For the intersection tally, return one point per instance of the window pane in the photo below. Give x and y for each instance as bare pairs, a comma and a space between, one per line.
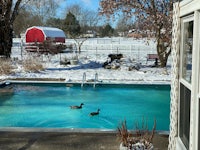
187, 50
184, 115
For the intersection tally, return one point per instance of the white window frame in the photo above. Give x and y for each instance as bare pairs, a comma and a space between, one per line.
184, 20
182, 80
188, 7
196, 81
194, 86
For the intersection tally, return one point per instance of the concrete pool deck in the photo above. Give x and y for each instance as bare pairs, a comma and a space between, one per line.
19, 140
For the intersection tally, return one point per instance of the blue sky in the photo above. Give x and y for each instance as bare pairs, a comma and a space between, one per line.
88, 4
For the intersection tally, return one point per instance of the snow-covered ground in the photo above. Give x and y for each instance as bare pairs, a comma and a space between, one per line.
90, 60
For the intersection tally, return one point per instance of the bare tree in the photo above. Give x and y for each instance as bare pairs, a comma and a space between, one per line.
79, 43
8, 14
24, 20
45, 9
154, 15
87, 18
124, 24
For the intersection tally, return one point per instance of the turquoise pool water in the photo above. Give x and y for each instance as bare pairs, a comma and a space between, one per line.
48, 106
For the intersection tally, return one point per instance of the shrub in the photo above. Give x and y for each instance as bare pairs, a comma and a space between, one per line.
6, 67
51, 47
141, 137
124, 134
32, 65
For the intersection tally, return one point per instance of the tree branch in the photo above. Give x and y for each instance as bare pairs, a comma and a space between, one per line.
15, 10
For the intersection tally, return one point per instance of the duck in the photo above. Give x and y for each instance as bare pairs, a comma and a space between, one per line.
77, 107
95, 113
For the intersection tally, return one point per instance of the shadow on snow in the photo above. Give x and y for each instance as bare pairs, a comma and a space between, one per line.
90, 65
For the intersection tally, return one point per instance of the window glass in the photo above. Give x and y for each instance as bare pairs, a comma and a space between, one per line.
187, 50
184, 126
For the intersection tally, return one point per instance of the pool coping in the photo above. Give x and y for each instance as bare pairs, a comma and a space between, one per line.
70, 130
66, 130
125, 82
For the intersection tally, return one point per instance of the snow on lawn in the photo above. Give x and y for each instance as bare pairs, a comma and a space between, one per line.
94, 54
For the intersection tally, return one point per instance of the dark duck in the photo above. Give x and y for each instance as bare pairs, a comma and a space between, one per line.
95, 113
77, 107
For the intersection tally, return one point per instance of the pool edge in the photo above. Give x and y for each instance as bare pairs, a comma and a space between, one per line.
70, 130
150, 82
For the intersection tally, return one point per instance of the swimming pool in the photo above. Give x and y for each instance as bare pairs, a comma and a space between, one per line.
48, 105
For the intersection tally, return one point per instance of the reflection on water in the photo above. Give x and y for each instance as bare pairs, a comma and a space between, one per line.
6, 93
19, 88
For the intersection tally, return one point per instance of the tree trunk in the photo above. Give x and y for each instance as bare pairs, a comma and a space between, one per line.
163, 53
163, 61
8, 14
6, 40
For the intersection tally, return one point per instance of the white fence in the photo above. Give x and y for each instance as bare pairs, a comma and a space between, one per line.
134, 48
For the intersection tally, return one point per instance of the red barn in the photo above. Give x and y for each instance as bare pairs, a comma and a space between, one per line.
40, 34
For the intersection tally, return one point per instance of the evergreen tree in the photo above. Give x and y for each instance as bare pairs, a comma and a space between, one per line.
71, 25
107, 31
55, 22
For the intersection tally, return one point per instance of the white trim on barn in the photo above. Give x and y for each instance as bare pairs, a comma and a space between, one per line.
51, 32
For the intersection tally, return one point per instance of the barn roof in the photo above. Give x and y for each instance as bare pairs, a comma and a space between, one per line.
50, 31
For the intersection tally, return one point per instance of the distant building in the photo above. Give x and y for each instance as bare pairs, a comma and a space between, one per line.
90, 34
134, 34
140, 34
44, 39
41, 34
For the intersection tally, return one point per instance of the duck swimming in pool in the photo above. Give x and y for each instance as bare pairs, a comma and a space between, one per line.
77, 107
95, 113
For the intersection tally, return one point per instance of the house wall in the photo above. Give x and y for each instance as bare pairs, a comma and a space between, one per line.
182, 10
174, 78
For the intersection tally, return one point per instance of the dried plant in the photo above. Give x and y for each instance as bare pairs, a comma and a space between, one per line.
140, 135
123, 133
144, 133
32, 65
6, 67
51, 47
